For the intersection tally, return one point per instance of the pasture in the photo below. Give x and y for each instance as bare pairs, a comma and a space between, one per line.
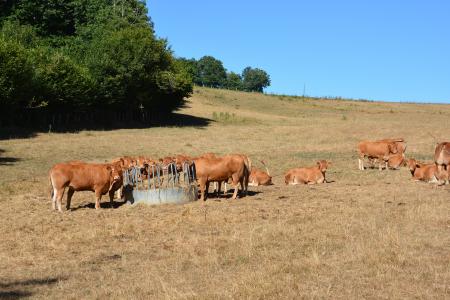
366, 234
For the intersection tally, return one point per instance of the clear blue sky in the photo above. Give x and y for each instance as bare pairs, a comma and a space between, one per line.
393, 50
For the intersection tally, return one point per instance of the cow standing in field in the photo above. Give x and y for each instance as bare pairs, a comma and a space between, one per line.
395, 161
210, 169
311, 175
374, 149
442, 158
80, 176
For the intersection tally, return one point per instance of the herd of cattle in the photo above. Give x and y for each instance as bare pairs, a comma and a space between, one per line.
235, 169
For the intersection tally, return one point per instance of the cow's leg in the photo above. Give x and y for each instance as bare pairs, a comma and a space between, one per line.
215, 184
361, 164
202, 184
54, 193
225, 188
219, 187
111, 198
98, 197
119, 193
207, 190
236, 186
59, 196
69, 197
242, 183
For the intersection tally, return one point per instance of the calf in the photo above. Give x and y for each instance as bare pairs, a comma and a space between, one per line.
426, 172
311, 175
259, 177
80, 176
209, 169
378, 150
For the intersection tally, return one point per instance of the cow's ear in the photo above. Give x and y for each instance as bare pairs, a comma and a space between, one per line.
417, 165
318, 163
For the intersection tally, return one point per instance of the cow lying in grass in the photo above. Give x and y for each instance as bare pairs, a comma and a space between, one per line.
311, 175
427, 172
259, 177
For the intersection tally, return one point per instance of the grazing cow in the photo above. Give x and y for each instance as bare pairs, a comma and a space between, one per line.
311, 175
209, 169
378, 150
181, 159
259, 177
80, 176
427, 172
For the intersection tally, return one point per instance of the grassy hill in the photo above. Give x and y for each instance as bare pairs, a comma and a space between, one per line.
366, 234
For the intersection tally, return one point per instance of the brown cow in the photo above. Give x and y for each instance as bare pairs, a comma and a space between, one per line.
80, 176
259, 177
400, 144
378, 150
218, 184
426, 172
311, 175
395, 161
209, 169
442, 154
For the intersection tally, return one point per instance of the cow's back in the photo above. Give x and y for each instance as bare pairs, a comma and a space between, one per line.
82, 176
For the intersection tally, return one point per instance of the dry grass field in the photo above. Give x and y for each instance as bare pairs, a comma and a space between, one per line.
365, 235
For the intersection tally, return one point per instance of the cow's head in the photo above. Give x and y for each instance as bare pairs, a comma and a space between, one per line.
115, 177
413, 165
392, 148
323, 165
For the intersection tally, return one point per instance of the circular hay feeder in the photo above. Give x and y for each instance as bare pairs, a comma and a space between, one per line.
159, 184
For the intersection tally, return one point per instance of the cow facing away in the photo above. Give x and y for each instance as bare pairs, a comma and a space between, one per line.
81, 176
210, 169
379, 150
311, 175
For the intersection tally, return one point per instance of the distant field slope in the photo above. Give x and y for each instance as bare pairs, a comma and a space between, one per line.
366, 234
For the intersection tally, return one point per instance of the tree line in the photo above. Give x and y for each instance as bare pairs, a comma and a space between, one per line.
209, 71
66, 61
96, 63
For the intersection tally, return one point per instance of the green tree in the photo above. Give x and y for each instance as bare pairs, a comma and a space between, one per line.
16, 76
190, 66
80, 54
234, 81
211, 72
255, 80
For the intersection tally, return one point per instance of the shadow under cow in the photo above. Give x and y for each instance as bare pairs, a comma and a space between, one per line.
19, 289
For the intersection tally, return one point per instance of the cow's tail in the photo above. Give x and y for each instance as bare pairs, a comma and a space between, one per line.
52, 189
267, 169
248, 166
